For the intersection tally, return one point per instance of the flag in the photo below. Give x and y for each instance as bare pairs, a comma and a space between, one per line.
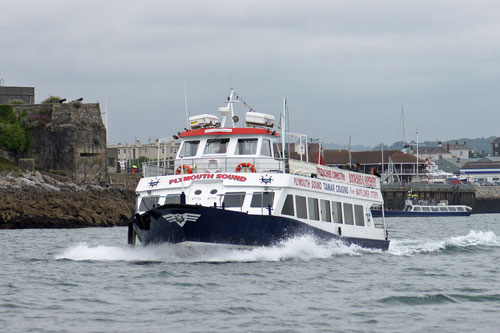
321, 157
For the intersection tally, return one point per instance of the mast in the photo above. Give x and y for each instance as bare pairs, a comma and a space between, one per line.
284, 134
350, 158
417, 156
186, 105
228, 109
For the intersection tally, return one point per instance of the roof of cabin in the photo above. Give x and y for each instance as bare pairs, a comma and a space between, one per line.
228, 131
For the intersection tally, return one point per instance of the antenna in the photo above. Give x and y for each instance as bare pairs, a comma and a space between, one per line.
186, 105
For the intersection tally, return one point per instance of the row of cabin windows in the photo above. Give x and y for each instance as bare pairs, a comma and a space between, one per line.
439, 209
231, 199
323, 210
220, 146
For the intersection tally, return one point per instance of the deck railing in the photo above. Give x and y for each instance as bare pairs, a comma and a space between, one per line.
209, 165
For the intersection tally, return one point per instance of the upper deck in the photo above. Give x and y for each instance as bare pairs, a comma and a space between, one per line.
210, 146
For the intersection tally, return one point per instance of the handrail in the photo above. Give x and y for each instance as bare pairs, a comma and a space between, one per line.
211, 165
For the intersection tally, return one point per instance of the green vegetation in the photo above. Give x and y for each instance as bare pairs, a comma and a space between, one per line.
13, 136
7, 114
17, 101
51, 100
6, 165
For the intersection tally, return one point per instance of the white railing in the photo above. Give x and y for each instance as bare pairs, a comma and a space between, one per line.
212, 165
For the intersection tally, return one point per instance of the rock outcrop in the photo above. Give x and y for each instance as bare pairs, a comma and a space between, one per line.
36, 200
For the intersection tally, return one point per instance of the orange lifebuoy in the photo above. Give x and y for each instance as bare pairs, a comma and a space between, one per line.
185, 167
246, 165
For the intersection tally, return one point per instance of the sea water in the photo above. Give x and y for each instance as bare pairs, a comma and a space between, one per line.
439, 275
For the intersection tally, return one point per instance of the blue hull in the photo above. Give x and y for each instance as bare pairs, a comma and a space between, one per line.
401, 213
211, 225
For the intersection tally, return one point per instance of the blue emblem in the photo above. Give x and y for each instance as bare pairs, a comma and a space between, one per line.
265, 180
153, 183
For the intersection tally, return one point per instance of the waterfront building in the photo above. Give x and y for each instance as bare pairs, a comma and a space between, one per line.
495, 147
126, 153
483, 172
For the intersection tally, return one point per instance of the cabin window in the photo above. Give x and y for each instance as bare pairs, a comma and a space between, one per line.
216, 146
324, 206
313, 209
189, 148
461, 209
417, 209
453, 209
337, 212
262, 199
246, 147
435, 209
443, 209
301, 204
148, 203
266, 148
173, 198
426, 209
359, 216
288, 206
234, 199
348, 216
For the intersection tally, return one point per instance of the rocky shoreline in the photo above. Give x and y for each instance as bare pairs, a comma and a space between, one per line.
36, 200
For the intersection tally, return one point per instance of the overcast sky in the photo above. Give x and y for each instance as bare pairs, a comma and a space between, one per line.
346, 67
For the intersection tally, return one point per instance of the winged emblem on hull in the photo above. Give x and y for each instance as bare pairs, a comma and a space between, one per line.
181, 219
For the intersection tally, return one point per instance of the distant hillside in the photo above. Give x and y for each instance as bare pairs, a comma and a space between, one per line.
479, 144
346, 147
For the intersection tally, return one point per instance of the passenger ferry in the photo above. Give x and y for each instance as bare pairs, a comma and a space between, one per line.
422, 208
235, 186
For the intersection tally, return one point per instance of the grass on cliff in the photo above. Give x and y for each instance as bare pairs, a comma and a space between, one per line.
6, 165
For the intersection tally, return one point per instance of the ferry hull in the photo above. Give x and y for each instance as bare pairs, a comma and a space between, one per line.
177, 223
401, 213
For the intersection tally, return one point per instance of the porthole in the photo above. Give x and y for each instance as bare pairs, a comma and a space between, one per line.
213, 191
197, 192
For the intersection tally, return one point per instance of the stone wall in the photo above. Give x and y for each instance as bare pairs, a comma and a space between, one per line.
26, 94
69, 139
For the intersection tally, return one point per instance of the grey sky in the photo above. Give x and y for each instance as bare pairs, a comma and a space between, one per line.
346, 67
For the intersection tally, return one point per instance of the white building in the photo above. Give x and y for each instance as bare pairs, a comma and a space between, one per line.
147, 151
481, 172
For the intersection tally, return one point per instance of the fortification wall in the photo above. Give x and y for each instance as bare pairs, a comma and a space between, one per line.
69, 139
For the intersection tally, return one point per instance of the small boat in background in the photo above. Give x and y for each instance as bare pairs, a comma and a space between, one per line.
416, 207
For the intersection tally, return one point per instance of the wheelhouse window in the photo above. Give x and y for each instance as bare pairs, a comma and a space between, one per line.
189, 148
348, 216
337, 212
266, 148
173, 198
234, 199
313, 209
288, 206
148, 203
359, 216
216, 146
246, 147
262, 199
301, 204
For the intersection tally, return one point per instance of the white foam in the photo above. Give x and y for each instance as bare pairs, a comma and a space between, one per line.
473, 238
302, 248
